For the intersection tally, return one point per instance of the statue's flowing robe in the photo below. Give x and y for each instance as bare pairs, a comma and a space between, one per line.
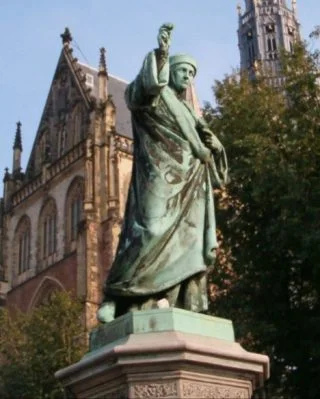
168, 234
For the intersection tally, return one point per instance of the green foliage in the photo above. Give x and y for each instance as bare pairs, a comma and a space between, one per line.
34, 346
268, 280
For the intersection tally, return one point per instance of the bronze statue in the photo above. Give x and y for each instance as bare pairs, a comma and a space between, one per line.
168, 238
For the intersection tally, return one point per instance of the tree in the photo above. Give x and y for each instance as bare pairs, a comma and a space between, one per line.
34, 346
268, 279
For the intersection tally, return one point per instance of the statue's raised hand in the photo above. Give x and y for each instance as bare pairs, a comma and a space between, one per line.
164, 37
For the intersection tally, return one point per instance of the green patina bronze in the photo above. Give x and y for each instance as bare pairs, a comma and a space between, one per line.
168, 238
157, 321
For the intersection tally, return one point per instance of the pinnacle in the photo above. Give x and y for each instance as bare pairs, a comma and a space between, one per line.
17, 140
6, 175
102, 63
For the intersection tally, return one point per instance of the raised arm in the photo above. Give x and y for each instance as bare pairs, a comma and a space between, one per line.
164, 42
154, 74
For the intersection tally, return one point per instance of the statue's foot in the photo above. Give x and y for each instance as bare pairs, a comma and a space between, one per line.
106, 312
163, 303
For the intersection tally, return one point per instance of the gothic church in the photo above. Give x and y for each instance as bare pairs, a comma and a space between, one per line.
61, 218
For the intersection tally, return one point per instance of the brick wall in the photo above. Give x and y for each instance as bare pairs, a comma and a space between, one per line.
63, 274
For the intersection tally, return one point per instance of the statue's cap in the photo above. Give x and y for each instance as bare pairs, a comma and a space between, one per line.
182, 59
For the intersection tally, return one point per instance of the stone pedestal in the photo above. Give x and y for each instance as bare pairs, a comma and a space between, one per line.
165, 353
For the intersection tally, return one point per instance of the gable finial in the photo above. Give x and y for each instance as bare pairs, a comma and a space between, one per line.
17, 140
102, 63
66, 37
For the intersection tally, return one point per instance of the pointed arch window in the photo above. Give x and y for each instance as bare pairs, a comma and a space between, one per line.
45, 292
47, 232
21, 247
274, 44
24, 252
49, 227
271, 41
74, 212
271, 44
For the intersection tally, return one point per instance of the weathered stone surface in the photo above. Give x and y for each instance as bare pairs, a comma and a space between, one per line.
168, 319
197, 390
165, 362
155, 390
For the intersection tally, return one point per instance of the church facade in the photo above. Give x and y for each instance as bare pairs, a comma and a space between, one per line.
60, 220
266, 27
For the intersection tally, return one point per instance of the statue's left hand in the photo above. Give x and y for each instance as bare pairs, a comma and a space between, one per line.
211, 140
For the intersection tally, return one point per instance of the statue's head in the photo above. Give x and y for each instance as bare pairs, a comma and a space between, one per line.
183, 69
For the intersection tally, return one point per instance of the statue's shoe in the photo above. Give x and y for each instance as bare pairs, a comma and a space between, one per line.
106, 312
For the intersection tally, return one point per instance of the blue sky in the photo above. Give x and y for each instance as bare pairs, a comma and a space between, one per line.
30, 45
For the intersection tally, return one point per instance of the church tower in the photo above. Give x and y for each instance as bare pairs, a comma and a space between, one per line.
265, 28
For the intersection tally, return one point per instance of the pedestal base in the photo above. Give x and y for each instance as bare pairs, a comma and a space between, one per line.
165, 353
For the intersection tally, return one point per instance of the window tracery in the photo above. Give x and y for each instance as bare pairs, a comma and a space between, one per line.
74, 211
22, 240
47, 231
272, 46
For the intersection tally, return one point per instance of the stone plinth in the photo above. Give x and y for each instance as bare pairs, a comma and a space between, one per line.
165, 353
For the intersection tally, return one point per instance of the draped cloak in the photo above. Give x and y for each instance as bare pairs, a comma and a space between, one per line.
168, 234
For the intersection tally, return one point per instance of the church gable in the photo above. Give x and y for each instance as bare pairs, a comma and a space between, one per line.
73, 94
65, 119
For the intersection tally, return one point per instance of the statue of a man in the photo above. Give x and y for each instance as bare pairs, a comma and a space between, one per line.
168, 239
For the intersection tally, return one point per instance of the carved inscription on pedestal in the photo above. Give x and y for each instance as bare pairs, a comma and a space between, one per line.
197, 390
155, 390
